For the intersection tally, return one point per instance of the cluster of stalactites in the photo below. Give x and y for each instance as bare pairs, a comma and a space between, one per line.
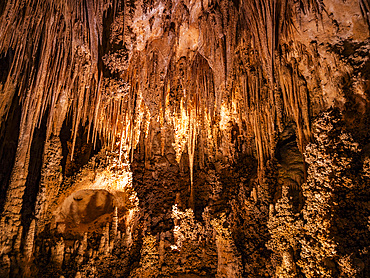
246, 82
55, 65
56, 70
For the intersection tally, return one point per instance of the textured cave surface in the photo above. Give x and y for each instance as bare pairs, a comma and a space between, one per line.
185, 138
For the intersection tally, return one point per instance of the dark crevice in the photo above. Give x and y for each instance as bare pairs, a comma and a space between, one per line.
2, 7
84, 148
65, 137
107, 22
9, 133
6, 60
34, 174
287, 137
291, 169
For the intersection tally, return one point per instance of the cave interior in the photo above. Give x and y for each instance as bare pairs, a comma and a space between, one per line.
185, 138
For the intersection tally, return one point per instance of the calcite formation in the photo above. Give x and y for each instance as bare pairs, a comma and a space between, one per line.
184, 138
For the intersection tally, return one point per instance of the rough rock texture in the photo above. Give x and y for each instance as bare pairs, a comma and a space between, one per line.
195, 138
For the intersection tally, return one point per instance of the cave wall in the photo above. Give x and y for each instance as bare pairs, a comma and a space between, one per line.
203, 130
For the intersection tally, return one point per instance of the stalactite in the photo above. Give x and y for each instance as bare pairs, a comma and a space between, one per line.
18, 240
181, 129
50, 80
29, 241
294, 92
365, 9
192, 135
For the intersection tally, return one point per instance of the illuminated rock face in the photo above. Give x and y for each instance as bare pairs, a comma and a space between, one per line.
84, 207
184, 138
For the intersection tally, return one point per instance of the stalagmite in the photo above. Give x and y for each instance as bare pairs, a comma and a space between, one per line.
229, 261
5, 266
51, 179
161, 250
271, 210
254, 194
81, 249
104, 246
13, 200
57, 253
288, 262
115, 222
129, 224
